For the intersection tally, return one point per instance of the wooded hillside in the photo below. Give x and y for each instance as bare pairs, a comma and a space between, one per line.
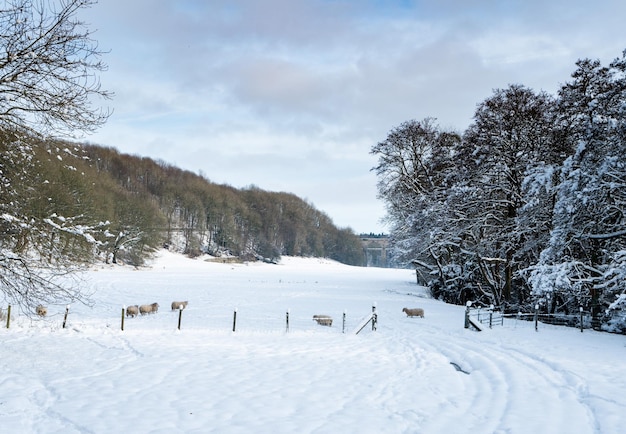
142, 204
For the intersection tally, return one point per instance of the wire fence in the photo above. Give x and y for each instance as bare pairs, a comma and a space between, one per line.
234, 320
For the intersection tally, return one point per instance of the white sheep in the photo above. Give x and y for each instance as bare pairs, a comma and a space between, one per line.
41, 310
179, 305
324, 320
414, 312
132, 311
148, 308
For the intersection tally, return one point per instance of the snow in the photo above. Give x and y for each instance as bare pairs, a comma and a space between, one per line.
411, 375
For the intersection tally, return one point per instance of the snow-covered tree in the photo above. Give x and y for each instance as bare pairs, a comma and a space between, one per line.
511, 134
414, 170
589, 222
48, 81
529, 206
417, 168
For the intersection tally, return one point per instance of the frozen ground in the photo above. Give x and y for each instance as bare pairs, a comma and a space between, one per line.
91, 377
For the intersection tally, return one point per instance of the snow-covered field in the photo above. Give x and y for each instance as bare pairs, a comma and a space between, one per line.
91, 377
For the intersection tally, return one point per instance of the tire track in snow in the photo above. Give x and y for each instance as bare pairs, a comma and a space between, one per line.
422, 401
564, 379
503, 379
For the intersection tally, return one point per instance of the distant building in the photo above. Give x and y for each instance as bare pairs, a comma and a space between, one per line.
375, 249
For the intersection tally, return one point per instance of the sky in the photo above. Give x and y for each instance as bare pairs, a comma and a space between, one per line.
291, 95
189, 372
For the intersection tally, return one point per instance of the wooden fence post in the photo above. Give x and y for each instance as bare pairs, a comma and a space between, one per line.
180, 314
581, 319
467, 310
235, 320
8, 316
374, 317
287, 321
343, 327
123, 309
67, 310
536, 316
490, 315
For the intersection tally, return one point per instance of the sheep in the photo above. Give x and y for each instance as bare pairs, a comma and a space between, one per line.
132, 311
414, 312
148, 308
179, 305
324, 320
41, 310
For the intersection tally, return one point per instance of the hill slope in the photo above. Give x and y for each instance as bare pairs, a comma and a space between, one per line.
147, 204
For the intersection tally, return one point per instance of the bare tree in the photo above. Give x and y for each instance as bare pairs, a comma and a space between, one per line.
49, 67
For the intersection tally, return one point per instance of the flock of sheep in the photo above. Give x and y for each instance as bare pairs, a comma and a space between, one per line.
131, 311
144, 309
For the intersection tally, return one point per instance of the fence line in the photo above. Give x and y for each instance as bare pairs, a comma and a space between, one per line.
478, 316
221, 320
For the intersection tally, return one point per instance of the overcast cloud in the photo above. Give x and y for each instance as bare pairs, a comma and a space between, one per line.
290, 95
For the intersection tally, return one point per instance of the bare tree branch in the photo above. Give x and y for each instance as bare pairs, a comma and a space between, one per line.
49, 67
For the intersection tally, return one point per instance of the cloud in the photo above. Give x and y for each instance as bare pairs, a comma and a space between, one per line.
292, 94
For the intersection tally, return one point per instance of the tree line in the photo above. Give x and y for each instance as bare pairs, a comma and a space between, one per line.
135, 205
186, 210
527, 206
